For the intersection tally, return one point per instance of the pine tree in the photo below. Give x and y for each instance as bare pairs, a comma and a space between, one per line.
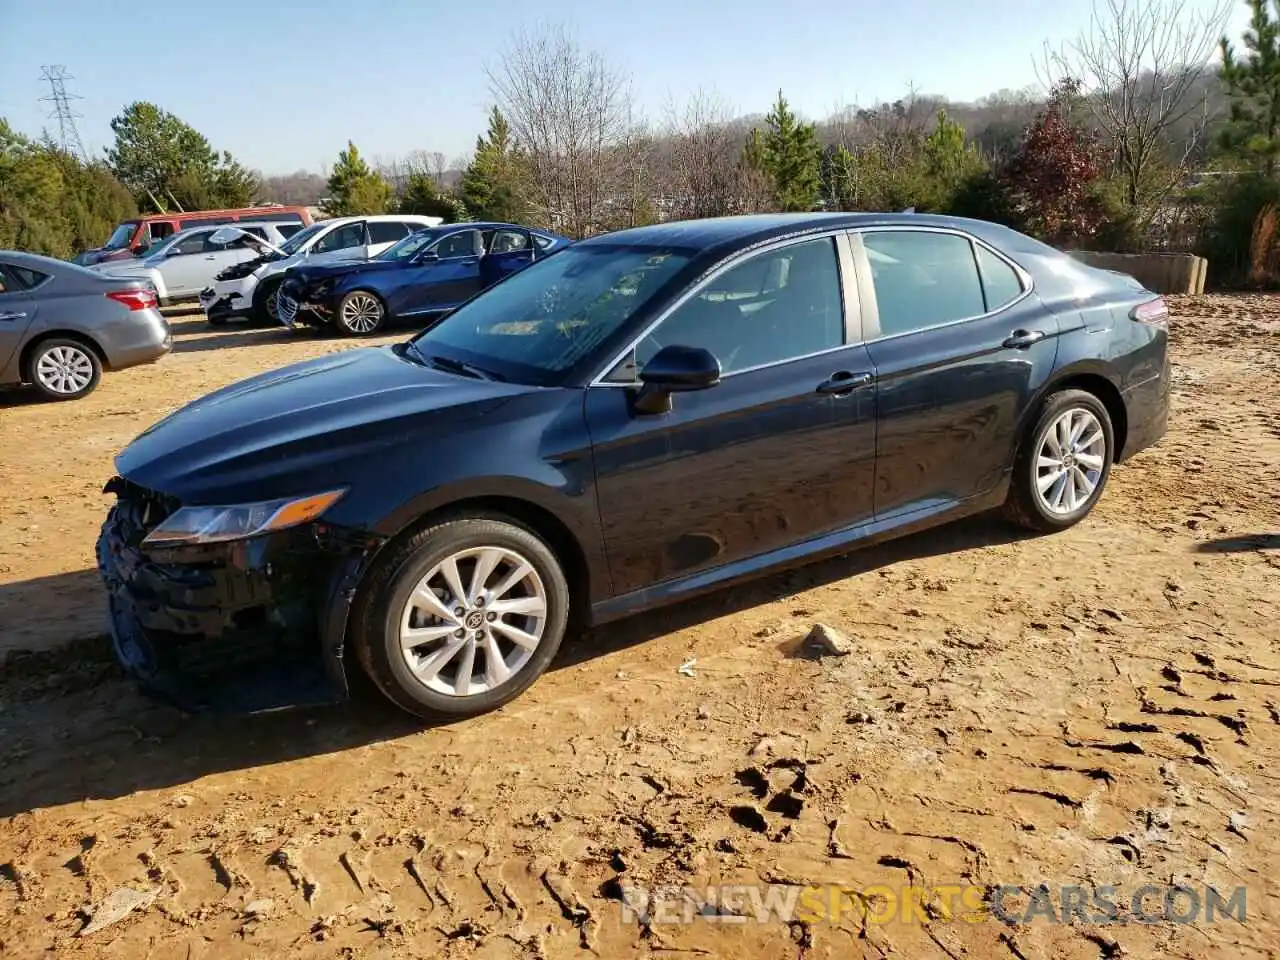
423, 197
1253, 84
354, 188
495, 184
789, 151
163, 160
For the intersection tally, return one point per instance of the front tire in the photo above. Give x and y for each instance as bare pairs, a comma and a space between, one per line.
64, 369
461, 618
1062, 467
360, 314
264, 301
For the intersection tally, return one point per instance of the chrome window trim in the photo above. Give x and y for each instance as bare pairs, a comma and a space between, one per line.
870, 306
843, 260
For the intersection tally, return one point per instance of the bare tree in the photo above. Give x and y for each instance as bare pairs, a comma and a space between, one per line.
570, 111
438, 167
1140, 62
704, 171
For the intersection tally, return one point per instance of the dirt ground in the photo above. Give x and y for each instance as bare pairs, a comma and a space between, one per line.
1100, 707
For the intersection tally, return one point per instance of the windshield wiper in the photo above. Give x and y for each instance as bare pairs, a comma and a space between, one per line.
466, 369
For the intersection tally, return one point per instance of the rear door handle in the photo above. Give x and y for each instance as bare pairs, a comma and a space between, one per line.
844, 382
12, 316
1021, 339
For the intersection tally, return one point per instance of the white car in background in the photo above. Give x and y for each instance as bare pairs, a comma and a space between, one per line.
182, 265
248, 291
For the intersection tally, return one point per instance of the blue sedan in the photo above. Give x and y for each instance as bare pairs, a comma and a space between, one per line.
428, 272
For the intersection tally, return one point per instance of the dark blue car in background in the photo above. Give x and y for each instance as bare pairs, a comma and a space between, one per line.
430, 271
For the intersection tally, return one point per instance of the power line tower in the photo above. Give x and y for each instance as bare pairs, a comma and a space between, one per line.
68, 135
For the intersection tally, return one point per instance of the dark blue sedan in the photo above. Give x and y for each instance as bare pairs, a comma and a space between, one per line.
641, 418
428, 272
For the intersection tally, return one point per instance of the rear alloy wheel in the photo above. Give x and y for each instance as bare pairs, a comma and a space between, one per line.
1061, 472
64, 369
360, 313
462, 618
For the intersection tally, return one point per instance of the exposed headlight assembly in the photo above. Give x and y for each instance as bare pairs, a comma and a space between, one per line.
196, 525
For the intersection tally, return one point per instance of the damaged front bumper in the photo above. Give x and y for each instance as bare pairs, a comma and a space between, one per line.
297, 306
241, 626
225, 308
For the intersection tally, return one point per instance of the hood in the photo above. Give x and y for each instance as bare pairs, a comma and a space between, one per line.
238, 271
323, 271
102, 255
310, 426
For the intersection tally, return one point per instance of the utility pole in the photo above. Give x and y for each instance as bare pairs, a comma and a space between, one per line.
68, 135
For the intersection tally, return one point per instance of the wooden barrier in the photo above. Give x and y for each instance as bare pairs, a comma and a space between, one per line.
1161, 272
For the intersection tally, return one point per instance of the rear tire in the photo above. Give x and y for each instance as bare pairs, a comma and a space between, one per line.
1063, 464
63, 369
435, 662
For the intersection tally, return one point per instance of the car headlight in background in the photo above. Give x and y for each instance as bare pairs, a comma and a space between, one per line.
195, 525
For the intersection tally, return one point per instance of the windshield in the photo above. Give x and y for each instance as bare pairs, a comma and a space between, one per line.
119, 238
408, 247
294, 243
538, 323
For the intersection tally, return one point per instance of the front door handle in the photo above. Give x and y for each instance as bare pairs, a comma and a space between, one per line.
844, 382
12, 316
1021, 339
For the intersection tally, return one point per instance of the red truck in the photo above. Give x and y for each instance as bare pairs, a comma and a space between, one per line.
131, 238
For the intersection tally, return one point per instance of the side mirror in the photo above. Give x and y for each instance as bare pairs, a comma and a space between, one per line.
675, 369
427, 256
139, 250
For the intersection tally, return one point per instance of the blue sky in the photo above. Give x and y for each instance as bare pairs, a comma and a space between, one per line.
283, 85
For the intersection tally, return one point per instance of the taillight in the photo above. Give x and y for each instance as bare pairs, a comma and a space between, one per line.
1154, 312
135, 299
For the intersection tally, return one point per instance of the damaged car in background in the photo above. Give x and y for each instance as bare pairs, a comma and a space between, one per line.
643, 417
247, 292
428, 272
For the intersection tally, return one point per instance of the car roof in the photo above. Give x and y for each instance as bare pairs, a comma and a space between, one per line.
446, 228
726, 234
240, 225
34, 261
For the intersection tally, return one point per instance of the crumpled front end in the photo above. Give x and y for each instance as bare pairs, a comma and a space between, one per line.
240, 626
306, 302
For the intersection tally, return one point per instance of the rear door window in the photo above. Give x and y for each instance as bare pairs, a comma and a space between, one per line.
509, 241
923, 279
387, 231
21, 278
1000, 282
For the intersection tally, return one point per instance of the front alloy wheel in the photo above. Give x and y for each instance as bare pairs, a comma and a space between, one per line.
462, 617
360, 313
474, 621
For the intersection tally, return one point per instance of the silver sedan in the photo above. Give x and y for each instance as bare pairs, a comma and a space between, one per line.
61, 325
